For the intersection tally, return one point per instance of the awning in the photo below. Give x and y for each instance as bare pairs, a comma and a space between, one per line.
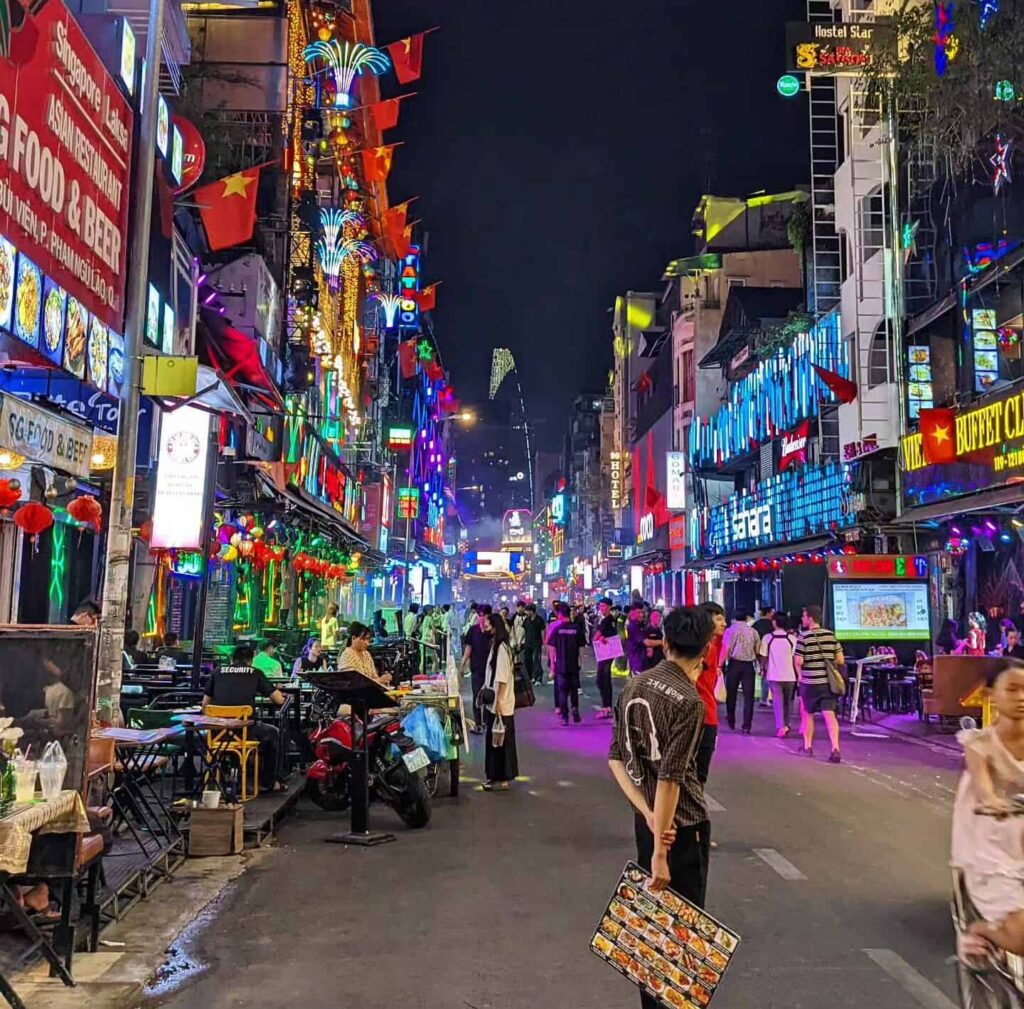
236, 357
764, 553
217, 396
986, 500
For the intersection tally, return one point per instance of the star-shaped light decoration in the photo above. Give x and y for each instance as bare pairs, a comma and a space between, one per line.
989, 9
1000, 162
236, 185
425, 350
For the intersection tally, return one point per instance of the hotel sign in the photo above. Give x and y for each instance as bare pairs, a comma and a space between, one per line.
833, 48
615, 478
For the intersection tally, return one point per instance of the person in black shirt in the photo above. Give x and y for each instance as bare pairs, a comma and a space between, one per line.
564, 640
654, 642
238, 685
312, 657
533, 642
659, 722
1014, 649
606, 630
477, 649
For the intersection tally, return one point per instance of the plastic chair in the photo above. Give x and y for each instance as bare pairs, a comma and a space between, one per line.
237, 741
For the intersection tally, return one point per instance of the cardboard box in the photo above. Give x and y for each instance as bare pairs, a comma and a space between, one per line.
215, 831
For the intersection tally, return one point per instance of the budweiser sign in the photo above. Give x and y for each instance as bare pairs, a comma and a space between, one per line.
65, 156
794, 446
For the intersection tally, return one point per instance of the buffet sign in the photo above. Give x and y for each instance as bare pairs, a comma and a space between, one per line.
663, 943
65, 157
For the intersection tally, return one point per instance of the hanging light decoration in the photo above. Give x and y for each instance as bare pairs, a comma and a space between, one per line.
86, 509
357, 247
347, 60
33, 518
390, 304
10, 493
104, 452
10, 460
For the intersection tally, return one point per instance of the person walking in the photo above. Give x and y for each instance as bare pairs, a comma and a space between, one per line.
654, 642
605, 631
711, 669
816, 647
501, 761
563, 641
533, 642
776, 653
659, 722
475, 654
763, 625
635, 648
739, 653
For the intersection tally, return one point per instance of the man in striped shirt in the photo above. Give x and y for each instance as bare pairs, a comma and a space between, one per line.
816, 647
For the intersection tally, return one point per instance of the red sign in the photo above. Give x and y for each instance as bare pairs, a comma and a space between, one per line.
879, 566
794, 446
193, 153
65, 154
677, 532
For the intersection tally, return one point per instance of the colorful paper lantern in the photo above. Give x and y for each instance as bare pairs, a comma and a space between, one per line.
87, 510
33, 518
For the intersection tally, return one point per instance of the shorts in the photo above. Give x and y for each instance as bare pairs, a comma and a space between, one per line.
817, 697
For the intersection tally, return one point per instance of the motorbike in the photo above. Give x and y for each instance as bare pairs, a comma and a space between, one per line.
394, 763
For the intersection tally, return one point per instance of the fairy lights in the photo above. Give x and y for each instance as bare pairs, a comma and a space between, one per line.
346, 61
502, 363
331, 258
363, 251
333, 222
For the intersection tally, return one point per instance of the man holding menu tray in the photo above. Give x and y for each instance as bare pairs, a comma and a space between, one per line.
658, 725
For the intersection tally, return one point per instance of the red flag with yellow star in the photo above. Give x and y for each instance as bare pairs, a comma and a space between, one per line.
407, 57
938, 435
377, 163
227, 208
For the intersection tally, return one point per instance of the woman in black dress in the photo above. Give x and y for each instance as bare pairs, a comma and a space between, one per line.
501, 763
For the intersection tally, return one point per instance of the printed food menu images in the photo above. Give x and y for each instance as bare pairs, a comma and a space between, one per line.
881, 611
662, 943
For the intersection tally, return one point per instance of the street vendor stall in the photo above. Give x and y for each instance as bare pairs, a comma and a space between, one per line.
442, 733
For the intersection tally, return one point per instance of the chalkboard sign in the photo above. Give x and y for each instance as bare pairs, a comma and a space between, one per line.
219, 606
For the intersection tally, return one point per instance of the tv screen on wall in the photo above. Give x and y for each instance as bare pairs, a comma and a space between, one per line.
881, 611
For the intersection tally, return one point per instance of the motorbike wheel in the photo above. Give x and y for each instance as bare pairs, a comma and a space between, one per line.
412, 803
329, 799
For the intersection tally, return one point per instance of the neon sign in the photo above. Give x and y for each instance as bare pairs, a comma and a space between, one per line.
408, 503
615, 479
400, 438
785, 508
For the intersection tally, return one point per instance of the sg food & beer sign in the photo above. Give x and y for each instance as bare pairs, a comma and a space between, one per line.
44, 438
65, 156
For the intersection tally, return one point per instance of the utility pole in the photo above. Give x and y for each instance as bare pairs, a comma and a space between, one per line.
122, 495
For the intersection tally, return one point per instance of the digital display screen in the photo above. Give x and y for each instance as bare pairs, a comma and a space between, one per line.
881, 611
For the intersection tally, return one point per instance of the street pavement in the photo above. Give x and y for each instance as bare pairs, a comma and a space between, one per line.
835, 876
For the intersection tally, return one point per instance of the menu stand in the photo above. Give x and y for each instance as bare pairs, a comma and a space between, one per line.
361, 694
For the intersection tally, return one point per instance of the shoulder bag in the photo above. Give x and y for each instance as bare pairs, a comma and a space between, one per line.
836, 683
525, 697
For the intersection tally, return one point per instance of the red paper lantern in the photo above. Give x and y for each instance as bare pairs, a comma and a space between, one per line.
146, 531
10, 493
87, 510
33, 518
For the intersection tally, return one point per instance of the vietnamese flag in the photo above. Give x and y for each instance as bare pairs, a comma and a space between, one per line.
938, 435
845, 390
377, 163
385, 114
407, 56
433, 371
227, 208
427, 298
407, 359
394, 225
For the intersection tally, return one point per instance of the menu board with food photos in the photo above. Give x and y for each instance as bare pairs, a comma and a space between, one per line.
663, 943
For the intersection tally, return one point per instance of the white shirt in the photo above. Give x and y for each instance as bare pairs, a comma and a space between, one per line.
503, 682
777, 648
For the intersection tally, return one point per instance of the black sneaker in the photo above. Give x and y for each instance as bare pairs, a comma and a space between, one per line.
805, 751
576, 716
565, 719
834, 758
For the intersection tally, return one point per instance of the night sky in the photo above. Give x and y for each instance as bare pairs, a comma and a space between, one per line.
558, 148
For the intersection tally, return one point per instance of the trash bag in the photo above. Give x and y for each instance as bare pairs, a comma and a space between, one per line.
424, 725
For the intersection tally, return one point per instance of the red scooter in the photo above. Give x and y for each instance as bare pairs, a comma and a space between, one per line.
394, 763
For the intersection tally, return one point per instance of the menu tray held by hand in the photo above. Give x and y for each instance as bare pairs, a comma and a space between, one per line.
663, 943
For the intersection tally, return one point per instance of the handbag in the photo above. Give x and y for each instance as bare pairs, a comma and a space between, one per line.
525, 697
498, 732
720, 692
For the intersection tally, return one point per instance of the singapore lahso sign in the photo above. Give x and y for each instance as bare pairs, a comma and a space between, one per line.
65, 153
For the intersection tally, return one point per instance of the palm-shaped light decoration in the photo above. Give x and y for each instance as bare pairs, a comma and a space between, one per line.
333, 222
346, 60
365, 252
390, 303
331, 256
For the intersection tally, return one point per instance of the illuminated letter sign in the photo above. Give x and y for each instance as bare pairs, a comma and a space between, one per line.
615, 468
794, 447
181, 479
675, 481
646, 528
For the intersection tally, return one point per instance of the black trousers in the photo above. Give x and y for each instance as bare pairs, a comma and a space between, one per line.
705, 751
477, 680
687, 868
531, 663
567, 693
604, 682
736, 674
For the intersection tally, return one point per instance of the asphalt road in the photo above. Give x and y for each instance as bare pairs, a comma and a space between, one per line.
835, 876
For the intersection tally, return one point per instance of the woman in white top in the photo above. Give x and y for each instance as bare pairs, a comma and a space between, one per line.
777, 654
501, 763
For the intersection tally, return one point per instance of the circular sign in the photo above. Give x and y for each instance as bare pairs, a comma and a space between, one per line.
193, 153
788, 86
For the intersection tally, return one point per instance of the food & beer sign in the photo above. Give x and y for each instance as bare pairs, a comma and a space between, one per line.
65, 156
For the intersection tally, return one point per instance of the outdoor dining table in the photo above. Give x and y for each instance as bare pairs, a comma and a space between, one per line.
135, 798
63, 815
222, 732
